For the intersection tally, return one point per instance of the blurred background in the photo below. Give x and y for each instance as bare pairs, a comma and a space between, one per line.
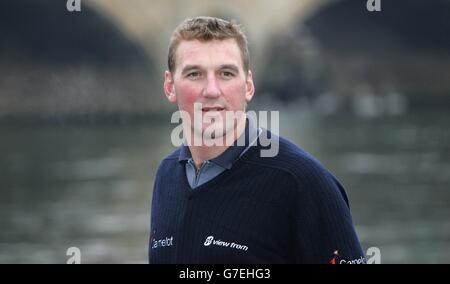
84, 122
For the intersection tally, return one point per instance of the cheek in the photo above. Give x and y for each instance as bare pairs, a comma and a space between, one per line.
235, 95
187, 95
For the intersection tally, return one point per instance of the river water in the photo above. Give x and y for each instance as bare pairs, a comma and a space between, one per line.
90, 187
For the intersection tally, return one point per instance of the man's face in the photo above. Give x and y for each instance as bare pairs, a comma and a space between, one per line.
210, 73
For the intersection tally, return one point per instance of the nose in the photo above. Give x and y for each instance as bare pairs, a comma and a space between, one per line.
212, 88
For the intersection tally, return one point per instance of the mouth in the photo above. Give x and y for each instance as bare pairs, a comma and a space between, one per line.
213, 108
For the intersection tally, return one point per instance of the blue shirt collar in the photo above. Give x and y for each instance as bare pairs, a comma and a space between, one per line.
232, 153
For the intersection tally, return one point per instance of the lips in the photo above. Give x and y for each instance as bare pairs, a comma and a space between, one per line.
213, 108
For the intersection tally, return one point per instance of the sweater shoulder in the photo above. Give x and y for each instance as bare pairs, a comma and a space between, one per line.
296, 165
288, 157
169, 161
174, 155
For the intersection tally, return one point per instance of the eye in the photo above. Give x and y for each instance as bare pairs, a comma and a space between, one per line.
193, 75
227, 74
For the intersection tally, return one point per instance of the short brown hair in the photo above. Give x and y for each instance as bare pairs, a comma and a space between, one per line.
206, 29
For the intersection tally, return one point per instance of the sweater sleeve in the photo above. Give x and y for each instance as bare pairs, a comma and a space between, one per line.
154, 210
324, 231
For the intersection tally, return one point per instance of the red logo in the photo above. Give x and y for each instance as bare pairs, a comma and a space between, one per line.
333, 260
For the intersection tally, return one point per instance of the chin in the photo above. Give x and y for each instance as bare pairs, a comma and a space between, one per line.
214, 130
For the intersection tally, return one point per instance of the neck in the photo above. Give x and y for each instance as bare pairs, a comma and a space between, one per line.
205, 152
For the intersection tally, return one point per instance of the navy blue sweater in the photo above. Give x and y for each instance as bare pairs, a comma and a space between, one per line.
282, 209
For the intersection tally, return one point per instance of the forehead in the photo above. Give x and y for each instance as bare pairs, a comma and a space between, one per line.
209, 53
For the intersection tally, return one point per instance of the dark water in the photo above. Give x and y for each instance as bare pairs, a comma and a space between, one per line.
90, 187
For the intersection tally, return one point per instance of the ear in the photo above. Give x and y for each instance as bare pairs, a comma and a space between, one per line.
249, 87
169, 87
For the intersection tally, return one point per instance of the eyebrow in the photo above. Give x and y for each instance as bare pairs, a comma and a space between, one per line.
188, 68
230, 66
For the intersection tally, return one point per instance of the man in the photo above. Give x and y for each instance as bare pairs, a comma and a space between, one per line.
216, 199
